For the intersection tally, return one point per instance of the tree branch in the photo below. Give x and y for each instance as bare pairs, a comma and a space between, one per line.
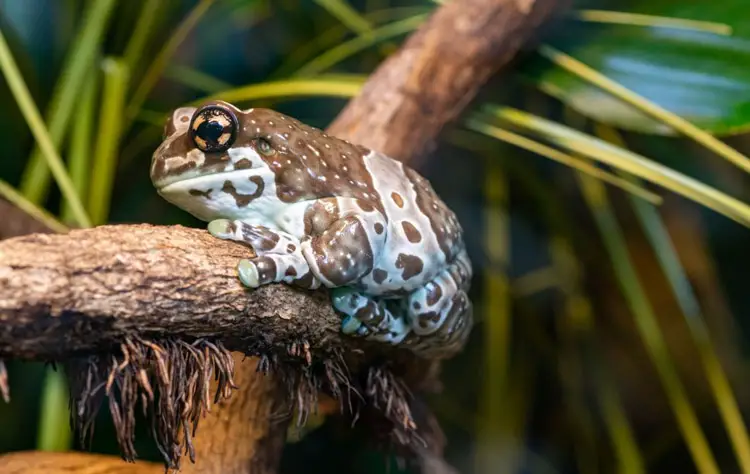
434, 75
81, 293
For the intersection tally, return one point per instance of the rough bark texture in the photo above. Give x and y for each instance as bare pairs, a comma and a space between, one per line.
436, 73
245, 433
75, 294
84, 291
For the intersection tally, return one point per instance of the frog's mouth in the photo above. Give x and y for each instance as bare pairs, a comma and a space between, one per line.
198, 181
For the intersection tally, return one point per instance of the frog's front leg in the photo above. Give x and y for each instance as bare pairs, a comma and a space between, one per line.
346, 237
278, 254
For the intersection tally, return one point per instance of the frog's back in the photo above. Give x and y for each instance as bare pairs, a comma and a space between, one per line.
423, 233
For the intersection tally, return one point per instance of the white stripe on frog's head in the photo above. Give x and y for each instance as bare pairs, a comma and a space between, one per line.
246, 186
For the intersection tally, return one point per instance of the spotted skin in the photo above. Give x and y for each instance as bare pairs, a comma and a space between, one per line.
320, 211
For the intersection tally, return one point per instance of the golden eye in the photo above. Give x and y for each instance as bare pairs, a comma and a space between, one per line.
213, 128
264, 147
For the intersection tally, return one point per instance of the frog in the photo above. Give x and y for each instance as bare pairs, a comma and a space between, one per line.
320, 212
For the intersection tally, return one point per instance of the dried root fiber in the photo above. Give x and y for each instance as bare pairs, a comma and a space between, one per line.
170, 379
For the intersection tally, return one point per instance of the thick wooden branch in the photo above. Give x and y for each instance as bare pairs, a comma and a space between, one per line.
83, 292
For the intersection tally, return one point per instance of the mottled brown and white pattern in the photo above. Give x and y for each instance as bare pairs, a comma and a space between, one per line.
322, 211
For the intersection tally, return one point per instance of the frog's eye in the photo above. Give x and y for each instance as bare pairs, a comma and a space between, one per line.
264, 147
213, 128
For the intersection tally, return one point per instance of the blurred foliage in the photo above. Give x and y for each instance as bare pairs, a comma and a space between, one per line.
609, 290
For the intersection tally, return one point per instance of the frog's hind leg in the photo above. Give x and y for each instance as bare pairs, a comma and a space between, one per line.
279, 255
364, 315
440, 313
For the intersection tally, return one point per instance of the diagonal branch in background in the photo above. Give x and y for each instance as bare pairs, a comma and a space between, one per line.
437, 72
401, 112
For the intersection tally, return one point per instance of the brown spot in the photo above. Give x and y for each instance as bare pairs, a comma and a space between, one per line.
410, 264
379, 228
412, 234
305, 281
243, 200
266, 269
259, 238
426, 318
197, 192
379, 275
291, 248
290, 271
243, 164
397, 199
436, 212
370, 314
184, 119
434, 293
365, 206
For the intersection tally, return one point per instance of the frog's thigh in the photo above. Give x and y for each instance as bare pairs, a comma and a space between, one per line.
368, 316
279, 255
347, 241
452, 334
440, 311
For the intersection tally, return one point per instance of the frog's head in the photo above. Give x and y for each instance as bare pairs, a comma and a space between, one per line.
219, 161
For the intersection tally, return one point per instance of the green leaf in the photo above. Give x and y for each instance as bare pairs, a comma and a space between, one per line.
701, 76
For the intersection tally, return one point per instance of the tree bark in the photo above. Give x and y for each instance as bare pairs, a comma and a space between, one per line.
69, 295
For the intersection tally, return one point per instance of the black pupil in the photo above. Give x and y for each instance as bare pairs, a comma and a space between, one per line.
210, 131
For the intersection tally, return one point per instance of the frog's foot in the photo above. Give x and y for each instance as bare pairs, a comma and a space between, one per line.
440, 313
278, 255
368, 317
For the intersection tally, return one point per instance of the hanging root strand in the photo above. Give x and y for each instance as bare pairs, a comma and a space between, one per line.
170, 379
4, 385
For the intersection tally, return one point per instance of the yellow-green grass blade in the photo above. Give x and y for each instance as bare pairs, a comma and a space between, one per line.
339, 86
196, 79
574, 328
579, 312
17, 199
625, 160
80, 144
115, 80
592, 76
349, 48
496, 325
144, 27
347, 15
522, 142
629, 457
157, 66
34, 119
54, 433
666, 255
78, 63
333, 36
639, 19
614, 241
